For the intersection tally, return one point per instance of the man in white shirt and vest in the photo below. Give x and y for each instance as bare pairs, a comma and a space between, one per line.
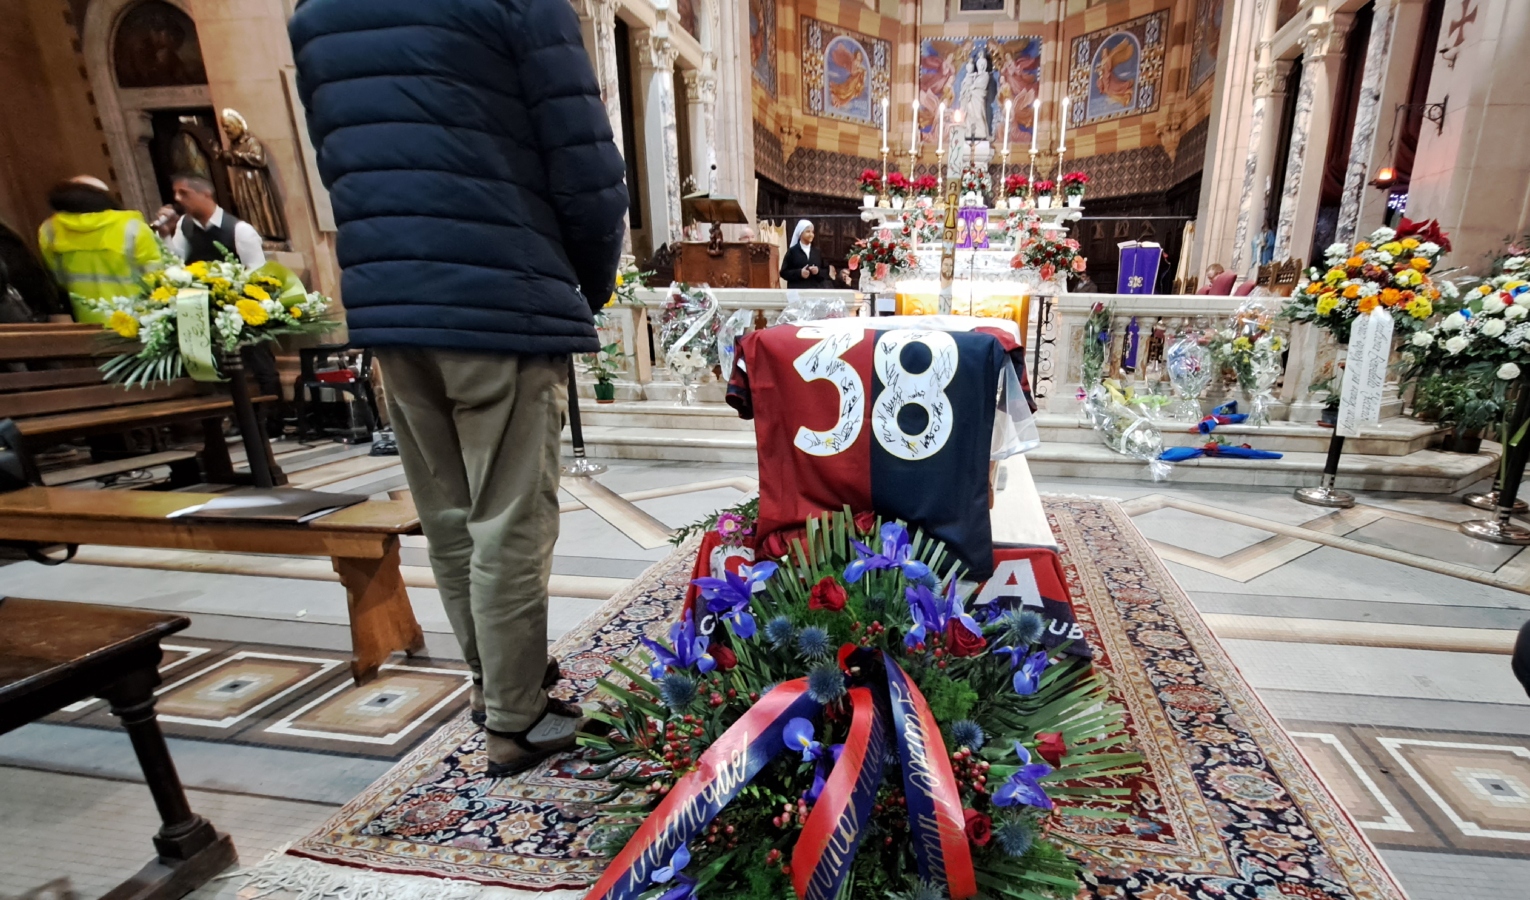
196, 238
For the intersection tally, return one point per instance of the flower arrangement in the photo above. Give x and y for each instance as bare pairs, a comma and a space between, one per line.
926, 186
855, 660
688, 327
898, 185
871, 182
243, 307
922, 225
1015, 185
1040, 249
885, 254
1096, 340
1044, 187
1390, 271
1251, 349
975, 180
1490, 331
629, 280
1073, 184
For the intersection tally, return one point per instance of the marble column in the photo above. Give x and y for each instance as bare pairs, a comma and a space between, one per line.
1322, 56
661, 176
603, 16
733, 118
1227, 146
1270, 86
700, 103
1406, 21
1368, 119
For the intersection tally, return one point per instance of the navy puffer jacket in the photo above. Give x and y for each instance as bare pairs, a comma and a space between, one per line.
479, 194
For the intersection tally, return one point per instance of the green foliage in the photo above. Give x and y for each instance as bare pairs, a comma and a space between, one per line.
1470, 398
749, 509
950, 700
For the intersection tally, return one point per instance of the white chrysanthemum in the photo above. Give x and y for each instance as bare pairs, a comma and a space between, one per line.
1383, 258
1429, 249
1336, 252
1449, 291
1369, 288
1508, 371
1456, 345
1494, 327
178, 276
1382, 235
1519, 335
1423, 339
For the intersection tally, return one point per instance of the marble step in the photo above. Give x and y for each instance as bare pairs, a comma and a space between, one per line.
1422, 471
1395, 437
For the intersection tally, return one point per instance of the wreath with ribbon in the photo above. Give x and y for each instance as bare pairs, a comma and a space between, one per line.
849, 728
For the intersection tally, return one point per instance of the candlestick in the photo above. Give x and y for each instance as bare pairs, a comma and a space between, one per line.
940, 133
1062, 128
913, 136
1007, 105
884, 124
1035, 123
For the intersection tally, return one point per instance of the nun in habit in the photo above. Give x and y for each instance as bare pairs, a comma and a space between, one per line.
803, 268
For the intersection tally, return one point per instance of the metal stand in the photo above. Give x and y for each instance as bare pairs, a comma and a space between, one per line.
1510, 473
1324, 494
256, 448
580, 467
1489, 500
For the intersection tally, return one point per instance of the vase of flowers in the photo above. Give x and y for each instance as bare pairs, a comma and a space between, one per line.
975, 184
871, 186
1386, 271
898, 187
1015, 187
1048, 251
886, 254
1043, 190
1251, 349
1073, 188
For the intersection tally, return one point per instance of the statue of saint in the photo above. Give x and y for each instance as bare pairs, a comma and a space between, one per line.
249, 180
976, 98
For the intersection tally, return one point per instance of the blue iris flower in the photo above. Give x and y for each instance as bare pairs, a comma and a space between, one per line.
821, 772
897, 553
932, 614
798, 735
729, 597
690, 649
684, 885
1024, 787
1028, 668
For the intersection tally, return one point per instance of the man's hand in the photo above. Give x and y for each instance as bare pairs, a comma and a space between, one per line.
807, 271
165, 219
814, 269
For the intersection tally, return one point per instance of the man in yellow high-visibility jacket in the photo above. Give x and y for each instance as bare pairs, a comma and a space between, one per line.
94, 250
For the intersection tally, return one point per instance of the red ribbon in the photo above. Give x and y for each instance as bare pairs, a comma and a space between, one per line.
834, 828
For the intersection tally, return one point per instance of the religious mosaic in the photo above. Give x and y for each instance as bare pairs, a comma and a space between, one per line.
1205, 40
978, 75
845, 74
762, 43
1118, 71
156, 46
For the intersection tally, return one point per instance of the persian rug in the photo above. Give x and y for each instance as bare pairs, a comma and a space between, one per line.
1226, 809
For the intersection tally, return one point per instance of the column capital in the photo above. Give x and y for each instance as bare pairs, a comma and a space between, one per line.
656, 50
1319, 39
1270, 80
700, 87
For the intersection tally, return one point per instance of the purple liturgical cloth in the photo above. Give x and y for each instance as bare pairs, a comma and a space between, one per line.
1129, 352
1139, 269
972, 228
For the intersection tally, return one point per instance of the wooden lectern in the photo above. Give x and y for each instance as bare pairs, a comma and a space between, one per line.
719, 263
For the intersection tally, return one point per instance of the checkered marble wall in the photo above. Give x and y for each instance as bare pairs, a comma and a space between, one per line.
1131, 155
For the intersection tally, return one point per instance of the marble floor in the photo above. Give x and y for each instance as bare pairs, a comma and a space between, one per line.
1378, 635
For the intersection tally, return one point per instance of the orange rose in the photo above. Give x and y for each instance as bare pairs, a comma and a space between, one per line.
1352, 292
1420, 263
1367, 304
1354, 262
1390, 296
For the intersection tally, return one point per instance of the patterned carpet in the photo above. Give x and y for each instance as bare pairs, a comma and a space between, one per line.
1227, 810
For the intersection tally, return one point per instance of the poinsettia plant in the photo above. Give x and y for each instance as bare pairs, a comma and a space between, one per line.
926, 186
1016, 184
1073, 183
871, 182
898, 185
1045, 186
887, 253
1023, 737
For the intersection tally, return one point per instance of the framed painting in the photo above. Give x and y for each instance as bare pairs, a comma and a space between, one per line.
845, 74
1118, 71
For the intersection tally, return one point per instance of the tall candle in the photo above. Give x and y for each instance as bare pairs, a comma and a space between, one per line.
884, 124
1007, 105
1035, 123
940, 133
913, 129
1062, 128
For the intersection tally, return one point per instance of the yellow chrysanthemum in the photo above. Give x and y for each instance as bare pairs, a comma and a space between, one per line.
1362, 246
124, 324
1335, 276
1243, 343
1420, 308
1392, 247
618, 279
1327, 303
252, 313
198, 269
221, 283
296, 312
162, 294
256, 293
612, 300
1420, 264
1410, 243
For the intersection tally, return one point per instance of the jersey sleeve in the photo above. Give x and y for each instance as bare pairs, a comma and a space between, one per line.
739, 396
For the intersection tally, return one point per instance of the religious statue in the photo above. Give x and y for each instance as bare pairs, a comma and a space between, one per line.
249, 180
976, 97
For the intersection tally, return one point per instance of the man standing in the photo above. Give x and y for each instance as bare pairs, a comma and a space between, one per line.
94, 250
206, 225
480, 202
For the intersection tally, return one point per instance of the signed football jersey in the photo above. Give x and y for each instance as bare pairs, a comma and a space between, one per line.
899, 421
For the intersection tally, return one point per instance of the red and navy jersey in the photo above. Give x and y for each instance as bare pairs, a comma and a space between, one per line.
899, 422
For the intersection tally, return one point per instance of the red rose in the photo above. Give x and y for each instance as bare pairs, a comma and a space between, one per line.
723, 656
979, 827
827, 594
961, 642
1049, 744
865, 521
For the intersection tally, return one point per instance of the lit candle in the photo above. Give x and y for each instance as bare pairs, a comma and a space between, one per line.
1035, 123
913, 128
1062, 128
1007, 105
940, 133
884, 124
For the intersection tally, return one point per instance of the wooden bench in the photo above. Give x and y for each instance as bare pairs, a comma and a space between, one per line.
362, 541
50, 384
53, 654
